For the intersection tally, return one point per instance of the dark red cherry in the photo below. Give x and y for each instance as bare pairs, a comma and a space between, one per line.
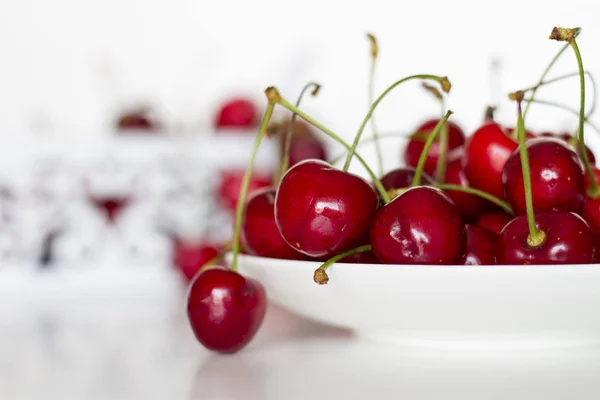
470, 205
494, 220
402, 178
322, 211
190, 256
420, 226
481, 246
486, 152
225, 309
414, 148
230, 184
237, 113
305, 143
569, 240
556, 177
260, 235
591, 212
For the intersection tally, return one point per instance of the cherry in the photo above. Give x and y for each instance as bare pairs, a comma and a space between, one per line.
494, 220
568, 240
189, 257
412, 151
486, 152
400, 178
229, 184
470, 205
225, 309
586, 178
260, 235
556, 177
305, 144
481, 246
321, 210
420, 226
237, 113
137, 120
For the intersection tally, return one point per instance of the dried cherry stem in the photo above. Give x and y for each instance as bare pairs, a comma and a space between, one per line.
246, 182
491, 198
374, 53
443, 81
320, 276
285, 161
275, 97
423, 157
546, 71
536, 236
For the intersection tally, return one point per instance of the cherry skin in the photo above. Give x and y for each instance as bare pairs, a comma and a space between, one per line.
260, 235
420, 226
556, 177
225, 309
400, 178
322, 211
481, 246
190, 257
414, 148
586, 178
237, 113
494, 220
486, 152
305, 144
470, 205
569, 240
230, 184
591, 212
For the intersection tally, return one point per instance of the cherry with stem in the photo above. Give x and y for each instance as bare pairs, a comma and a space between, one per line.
374, 53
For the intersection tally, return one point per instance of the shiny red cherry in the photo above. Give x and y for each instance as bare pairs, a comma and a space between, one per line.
322, 211
486, 152
494, 220
420, 226
230, 184
260, 235
481, 246
225, 309
237, 113
556, 177
470, 205
414, 148
569, 240
190, 257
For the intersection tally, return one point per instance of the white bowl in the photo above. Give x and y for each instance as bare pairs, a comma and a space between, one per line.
450, 306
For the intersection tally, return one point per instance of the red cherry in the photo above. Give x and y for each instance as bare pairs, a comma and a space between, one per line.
322, 211
556, 177
230, 184
569, 240
225, 309
591, 212
190, 257
412, 152
481, 246
305, 144
400, 178
260, 235
586, 178
470, 205
420, 226
494, 220
486, 152
237, 113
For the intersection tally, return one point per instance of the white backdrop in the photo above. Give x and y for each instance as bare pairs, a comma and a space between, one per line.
68, 64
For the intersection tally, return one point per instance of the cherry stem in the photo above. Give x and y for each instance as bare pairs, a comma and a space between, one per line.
491, 198
442, 157
285, 162
444, 82
374, 53
321, 277
565, 108
536, 236
246, 182
594, 190
423, 157
274, 94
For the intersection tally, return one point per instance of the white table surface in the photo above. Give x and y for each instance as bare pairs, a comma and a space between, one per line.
133, 348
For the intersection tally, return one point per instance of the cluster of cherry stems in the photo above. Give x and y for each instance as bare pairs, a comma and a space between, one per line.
502, 196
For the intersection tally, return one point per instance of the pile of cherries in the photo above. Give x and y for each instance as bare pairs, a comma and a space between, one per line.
502, 196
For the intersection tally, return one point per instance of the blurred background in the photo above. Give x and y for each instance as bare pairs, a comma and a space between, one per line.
125, 128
